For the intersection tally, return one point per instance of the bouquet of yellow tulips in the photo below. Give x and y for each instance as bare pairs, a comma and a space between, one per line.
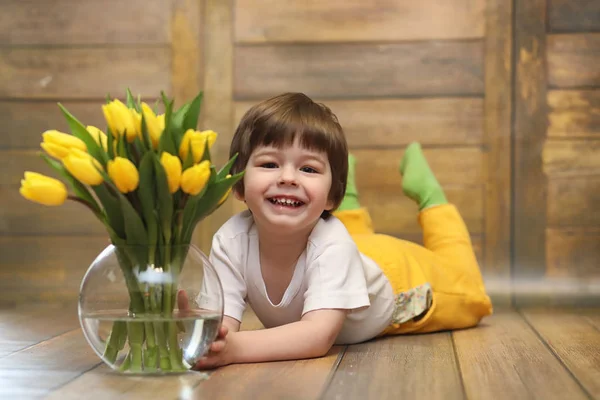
149, 179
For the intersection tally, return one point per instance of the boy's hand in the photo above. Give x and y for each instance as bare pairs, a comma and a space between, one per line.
219, 353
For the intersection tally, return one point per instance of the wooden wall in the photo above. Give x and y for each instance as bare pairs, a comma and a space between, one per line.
503, 100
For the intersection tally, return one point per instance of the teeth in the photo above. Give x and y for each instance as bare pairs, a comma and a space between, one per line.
286, 202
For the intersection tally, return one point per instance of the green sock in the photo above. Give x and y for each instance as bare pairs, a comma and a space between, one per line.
350, 200
418, 181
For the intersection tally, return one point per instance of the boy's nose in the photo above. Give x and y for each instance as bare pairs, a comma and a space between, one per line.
288, 176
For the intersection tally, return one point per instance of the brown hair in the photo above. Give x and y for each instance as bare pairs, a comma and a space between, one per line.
278, 121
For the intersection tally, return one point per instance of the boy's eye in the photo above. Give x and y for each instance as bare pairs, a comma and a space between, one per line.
268, 165
309, 170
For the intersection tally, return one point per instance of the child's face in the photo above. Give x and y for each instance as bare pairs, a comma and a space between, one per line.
287, 188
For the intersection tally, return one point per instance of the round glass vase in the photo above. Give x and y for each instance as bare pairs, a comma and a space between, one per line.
151, 310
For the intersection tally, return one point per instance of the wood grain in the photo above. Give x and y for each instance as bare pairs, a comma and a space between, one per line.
573, 15
573, 253
84, 73
19, 216
420, 366
574, 340
498, 132
359, 70
23, 122
503, 357
14, 163
217, 111
577, 158
45, 268
529, 185
573, 60
397, 122
573, 201
342, 21
574, 114
304, 379
24, 327
65, 22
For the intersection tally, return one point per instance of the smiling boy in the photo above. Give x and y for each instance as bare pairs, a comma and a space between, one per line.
310, 281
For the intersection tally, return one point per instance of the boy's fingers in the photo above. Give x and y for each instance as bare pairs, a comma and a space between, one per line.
217, 346
182, 300
223, 331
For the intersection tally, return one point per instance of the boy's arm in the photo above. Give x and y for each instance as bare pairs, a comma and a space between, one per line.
310, 337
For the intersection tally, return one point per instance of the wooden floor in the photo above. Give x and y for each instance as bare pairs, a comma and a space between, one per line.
516, 354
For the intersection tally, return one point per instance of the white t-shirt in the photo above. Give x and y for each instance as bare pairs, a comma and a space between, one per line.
330, 273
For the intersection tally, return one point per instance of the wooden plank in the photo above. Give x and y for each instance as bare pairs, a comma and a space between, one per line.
425, 364
23, 122
498, 120
333, 71
395, 214
574, 114
217, 112
84, 73
573, 15
19, 216
48, 365
573, 253
65, 22
573, 201
186, 49
341, 21
529, 211
573, 60
304, 379
571, 158
24, 327
13, 165
503, 355
45, 268
397, 122
574, 340
462, 166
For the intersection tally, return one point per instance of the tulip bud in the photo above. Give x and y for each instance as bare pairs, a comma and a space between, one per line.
121, 119
99, 136
195, 178
43, 189
84, 167
197, 141
58, 144
154, 123
172, 166
124, 174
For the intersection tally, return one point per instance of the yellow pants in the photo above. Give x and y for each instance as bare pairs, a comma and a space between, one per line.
446, 262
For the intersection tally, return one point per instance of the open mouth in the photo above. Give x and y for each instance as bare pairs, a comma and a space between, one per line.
280, 201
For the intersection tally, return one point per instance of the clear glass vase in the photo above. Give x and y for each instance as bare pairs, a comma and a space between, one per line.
151, 310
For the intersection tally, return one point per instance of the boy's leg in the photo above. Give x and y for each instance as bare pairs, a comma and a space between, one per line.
418, 181
356, 218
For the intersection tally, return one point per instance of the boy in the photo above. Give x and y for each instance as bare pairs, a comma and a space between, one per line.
314, 278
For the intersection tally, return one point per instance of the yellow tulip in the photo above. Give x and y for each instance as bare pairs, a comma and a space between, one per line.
99, 136
122, 120
124, 174
197, 141
84, 167
154, 123
43, 189
195, 178
172, 166
58, 144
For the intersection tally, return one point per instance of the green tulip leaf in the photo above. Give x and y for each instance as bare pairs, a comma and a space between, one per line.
110, 140
122, 150
112, 209
166, 142
146, 195
165, 199
206, 154
145, 134
191, 116
189, 160
223, 172
80, 132
130, 101
190, 206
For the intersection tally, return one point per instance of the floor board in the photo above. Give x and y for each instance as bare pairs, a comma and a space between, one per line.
505, 358
574, 340
419, 367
